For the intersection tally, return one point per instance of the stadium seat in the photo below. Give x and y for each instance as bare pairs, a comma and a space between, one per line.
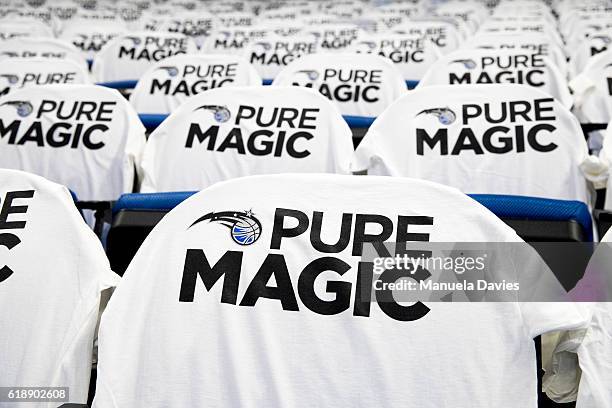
359, 84
271, 54
480, 66
233, 132
264, 263
169, 82
86, 137
540, 43
472, 137
411, 54
89, 35
17, 73
591, 91
123, 60
533, 219
53, 279
27, 47
441, 31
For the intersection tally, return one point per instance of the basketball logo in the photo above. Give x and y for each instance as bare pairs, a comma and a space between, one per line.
445, 116
244, 228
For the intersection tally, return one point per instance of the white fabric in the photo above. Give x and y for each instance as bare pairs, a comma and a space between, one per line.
86, 137
128, 56
411, 54
49, 301
587, 47
26, 47
443, 33
232, 40
592, 90
270, 55
23, 28
169, 82
595, 359
428, 135
533, 42
89, 36
581, 367
16, 73
247, 351
359, 84
334, 37
245, 131
478, 66
605, 156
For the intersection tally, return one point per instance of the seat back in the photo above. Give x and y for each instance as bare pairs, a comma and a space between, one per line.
90, 35
481, 66
17, 28
83, 136
534, 220
17, 73
272, 54
490, 139
411, 54
27, 47
125, 58
444, 34
592, 90
359, 84
168, 83
52, 273
539, 43
278, 280
233, 40
234, 132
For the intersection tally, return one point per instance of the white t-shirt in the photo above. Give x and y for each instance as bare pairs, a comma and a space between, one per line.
128, 56
359, 84
592, 90
27, 47
594, 353
539, 43
480, 66
16, 28
234, 132
587, 378
232, 40
280, 321
85, 137
271, 54
50, 285
443, 33
496, 139
587, 47
168, 83
90, 35
17, 73
412, 54
332, 37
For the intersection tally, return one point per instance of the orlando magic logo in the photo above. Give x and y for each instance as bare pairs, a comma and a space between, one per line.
135, 40
445, 115
172, 71
265, 45
244, 228
11, 78
310, 73
220, 113
467, 63
24, 108
370, 44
